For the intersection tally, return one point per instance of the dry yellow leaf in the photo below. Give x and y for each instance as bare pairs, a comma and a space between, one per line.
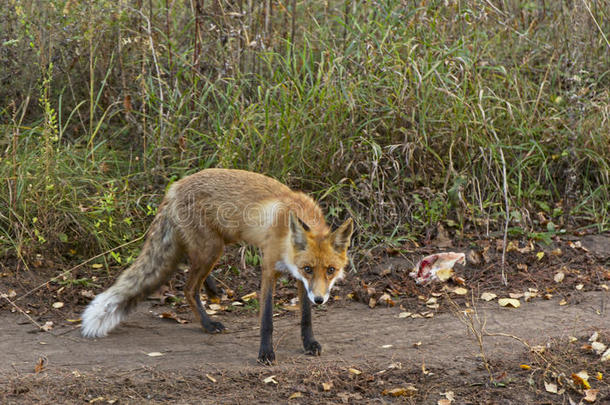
210, 378
270, 379
401, 391
599, 376
327, 386
460, 291
97, 265
550, 387
591, 395
487, 296
582, 379
354, 371
559, 276
248, 297
404, 314
539, 255
525, 366
296, 395
509, 302
58, 305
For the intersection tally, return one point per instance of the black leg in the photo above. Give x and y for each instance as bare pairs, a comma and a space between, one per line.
265, 353
208, 324
310, 344
211, 289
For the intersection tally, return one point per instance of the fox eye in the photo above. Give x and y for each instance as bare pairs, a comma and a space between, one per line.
308, 269
330, 270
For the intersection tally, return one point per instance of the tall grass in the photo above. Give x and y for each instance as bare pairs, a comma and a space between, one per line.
401, 114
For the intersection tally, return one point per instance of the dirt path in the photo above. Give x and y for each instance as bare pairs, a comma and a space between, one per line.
351, 334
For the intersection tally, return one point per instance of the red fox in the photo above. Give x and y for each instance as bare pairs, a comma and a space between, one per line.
202, 213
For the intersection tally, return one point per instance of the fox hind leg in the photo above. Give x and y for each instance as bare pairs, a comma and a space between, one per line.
211, 289
203, 259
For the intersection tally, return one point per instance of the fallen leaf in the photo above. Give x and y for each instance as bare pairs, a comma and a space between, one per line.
327, 386
154, 354
270, 379
599, 376
579, 286
404, 314
39, 365
250, 296
237, 304
386, 346
48, 325
354, 371
443, 402
386, 299
460, 291
582, 379
563, 302
590, 395
449, 395
97, 266
525, 366
528, 295
605, 356
509, 302
171, 315
487, 296
210, 378
539, 255
550, 387
598, 347
594, 337
87, 294
401, 392
556, 252
432, 300
559, 276
215, 307
372, 302
296, 395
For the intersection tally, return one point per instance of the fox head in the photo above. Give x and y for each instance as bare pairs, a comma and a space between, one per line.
318, 260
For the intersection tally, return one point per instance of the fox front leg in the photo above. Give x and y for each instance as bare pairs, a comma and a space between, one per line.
266, 355
310, 344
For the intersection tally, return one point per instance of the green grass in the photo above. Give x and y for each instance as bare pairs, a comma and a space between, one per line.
401, 114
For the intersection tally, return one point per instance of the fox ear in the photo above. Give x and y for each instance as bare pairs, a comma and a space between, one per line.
298, 231
340, 238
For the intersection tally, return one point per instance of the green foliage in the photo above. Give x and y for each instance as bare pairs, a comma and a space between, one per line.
400, 114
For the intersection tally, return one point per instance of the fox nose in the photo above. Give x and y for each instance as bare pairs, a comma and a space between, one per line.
318, 300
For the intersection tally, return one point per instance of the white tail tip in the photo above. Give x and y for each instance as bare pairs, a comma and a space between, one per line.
102, 315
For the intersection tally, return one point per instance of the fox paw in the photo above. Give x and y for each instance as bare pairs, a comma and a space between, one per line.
313, 348
266, 357
214, 327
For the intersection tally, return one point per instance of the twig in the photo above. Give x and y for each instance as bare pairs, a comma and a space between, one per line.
596, 23
79, 265
5, 296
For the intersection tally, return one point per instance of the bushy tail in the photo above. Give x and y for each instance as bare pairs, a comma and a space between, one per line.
155, 264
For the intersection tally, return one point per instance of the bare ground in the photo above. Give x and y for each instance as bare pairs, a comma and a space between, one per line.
353, 336
368, 354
